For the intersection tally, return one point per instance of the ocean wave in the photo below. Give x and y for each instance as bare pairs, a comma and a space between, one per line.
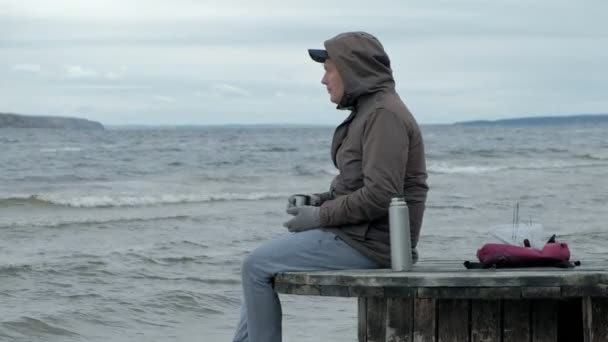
105, 201
476, 152
60, 178
490, 152
89, 222
32, 326
444, 168
301, 170
451, 207
200, 303
61, 149
154, 260
472, 169
591, 156
14, 269
279, 149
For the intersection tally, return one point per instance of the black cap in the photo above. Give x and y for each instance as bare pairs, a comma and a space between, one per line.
317, 55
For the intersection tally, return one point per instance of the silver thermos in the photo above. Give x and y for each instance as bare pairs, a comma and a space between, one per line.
401, 244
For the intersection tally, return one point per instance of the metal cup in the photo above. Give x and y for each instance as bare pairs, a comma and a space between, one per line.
301, 200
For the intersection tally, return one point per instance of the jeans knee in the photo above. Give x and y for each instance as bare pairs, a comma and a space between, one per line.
254, 266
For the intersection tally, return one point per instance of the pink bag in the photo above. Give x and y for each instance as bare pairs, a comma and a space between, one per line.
555, 254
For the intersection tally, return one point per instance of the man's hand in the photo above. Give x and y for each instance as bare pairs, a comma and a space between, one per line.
305, 218
314, 200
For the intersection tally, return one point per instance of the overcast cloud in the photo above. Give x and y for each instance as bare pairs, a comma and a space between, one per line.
220, 62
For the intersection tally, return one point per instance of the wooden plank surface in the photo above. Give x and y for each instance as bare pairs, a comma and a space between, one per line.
541, 292
469, 292
544, 320
485, 320
448, 279
425, 320
399, 319
591, 279
362, 319
516, 320
599, 307
376, 315
452, 276
595, 319
453, 320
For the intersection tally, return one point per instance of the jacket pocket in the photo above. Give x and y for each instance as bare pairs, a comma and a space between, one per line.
357, 232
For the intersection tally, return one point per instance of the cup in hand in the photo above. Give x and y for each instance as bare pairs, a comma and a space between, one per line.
301, 200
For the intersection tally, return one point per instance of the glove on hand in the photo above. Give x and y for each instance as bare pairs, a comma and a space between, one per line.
312, 200
305, 218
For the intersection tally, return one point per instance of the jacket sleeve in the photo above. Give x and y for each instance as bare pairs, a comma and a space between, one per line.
324, 196
385, 145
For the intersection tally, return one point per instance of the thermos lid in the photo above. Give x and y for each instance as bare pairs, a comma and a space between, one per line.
398, 199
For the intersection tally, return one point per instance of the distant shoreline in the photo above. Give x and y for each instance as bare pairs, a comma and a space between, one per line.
11, 120
540, 120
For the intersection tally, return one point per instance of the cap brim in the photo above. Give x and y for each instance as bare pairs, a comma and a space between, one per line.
317, 55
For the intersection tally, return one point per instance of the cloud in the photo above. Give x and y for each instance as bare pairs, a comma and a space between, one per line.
452, 61
33, 68
79, 72
165, 99
230, 90
76, 71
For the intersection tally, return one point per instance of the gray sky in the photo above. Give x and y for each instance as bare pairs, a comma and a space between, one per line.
245, 61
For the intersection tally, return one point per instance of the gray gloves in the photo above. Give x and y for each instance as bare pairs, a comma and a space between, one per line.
305, 218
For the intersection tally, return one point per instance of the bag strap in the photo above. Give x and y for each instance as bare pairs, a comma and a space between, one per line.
482, 265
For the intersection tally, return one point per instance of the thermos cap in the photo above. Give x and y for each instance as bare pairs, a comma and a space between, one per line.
398, 199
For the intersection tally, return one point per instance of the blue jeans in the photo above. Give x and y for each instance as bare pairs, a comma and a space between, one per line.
311, 250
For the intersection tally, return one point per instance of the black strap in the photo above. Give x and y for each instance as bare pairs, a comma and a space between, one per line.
558, 264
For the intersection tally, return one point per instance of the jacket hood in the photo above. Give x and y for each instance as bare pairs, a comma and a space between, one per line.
362, 63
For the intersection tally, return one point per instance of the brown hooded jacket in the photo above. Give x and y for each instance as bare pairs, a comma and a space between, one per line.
378, 150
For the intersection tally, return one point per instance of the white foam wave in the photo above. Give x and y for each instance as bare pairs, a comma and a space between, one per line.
149, 200
472, 169
61, 149
444, 168
58, 223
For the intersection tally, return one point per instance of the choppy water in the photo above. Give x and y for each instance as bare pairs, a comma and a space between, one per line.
138, 235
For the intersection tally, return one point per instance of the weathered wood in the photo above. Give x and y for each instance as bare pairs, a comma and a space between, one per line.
587, 319
399, 319
335, 291
469, 292
453, 320
425, 320
297, 289
542, 277
595, 319
362, 319
544, 320
443, 301
362, 291
593, 290
376, 314
541, 292
400, 292
485, 321
516, 320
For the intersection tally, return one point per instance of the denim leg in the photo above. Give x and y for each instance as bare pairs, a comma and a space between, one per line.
312, 250
241, 330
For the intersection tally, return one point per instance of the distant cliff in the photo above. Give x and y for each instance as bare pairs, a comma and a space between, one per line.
28, 121
542, 120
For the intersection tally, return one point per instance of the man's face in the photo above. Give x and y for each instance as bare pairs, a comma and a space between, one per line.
333, 82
